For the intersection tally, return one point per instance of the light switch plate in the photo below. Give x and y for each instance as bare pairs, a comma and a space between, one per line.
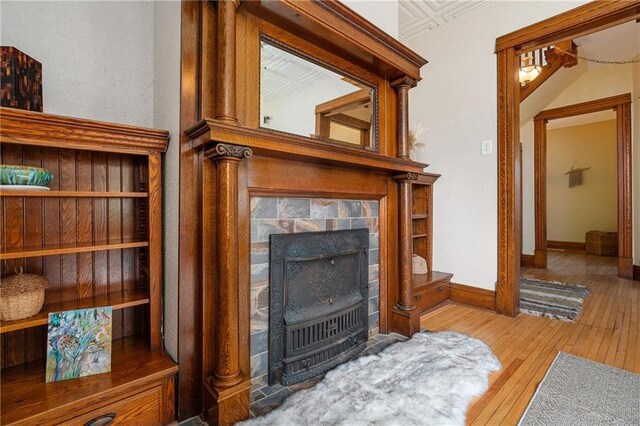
487, 147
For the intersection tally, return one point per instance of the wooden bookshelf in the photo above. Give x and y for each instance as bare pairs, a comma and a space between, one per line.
96, 236
27, 399
71, 248
432, 288
7, 192
119, 300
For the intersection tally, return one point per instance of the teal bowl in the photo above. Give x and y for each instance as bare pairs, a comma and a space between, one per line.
24, 175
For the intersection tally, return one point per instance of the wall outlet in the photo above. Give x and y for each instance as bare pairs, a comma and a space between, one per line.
487, 147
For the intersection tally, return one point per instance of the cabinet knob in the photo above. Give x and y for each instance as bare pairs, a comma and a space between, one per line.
417, 297
104, 420
440, 288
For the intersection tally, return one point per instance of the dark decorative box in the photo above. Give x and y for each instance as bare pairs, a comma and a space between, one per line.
20, 80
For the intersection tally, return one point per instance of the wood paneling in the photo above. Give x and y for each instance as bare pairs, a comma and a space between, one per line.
606, 332
636, 272
472, 296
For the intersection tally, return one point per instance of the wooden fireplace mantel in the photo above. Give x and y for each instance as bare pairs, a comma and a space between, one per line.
278, 144
227, 158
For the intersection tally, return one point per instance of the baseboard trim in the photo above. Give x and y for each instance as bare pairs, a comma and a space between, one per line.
472, 296
527, 260
566, 245
636, 272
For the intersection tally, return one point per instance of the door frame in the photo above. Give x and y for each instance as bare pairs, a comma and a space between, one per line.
583, 20
621, 104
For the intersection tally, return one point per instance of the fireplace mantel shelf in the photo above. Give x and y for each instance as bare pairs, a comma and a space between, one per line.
284, 145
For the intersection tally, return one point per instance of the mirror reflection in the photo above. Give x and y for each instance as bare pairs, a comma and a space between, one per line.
300, 97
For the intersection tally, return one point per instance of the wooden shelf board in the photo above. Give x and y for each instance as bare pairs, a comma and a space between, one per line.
4, 192
431, 278
117, 300
25, 396
73, 248
419, 216
419, 235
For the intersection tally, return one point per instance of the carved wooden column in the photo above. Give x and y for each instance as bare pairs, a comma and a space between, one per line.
402, 86
405, 300
230, 387
225, 107
405, 317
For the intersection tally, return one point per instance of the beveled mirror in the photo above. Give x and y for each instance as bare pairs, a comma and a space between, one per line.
304, 98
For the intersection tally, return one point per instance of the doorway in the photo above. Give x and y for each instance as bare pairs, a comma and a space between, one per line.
586, 19
621, 105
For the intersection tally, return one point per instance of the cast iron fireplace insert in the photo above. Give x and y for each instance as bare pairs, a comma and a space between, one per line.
318, 302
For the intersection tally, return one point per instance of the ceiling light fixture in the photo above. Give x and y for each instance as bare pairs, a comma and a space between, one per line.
528, 70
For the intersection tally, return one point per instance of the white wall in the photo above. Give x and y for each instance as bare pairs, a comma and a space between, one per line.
572, 212
456, 102
97, 57
592, 84
383, 13
166, 115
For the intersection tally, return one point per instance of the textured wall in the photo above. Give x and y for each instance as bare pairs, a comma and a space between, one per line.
97, 57
270, 215
166, 115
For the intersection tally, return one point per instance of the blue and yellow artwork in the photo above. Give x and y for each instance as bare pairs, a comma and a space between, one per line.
78, 343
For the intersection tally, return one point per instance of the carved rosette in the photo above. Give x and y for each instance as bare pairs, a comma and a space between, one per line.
228, 151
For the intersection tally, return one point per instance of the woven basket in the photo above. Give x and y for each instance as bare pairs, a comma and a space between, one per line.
21, 295
602, 243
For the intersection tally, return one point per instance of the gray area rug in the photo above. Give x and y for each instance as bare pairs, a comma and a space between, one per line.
429, 379
576, 391
552, 299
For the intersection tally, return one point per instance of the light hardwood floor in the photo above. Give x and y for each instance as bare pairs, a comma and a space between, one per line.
607, 332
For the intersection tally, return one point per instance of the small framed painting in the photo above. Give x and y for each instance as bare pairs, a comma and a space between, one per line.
78, 343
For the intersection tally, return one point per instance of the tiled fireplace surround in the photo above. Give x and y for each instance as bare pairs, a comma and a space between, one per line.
270, 215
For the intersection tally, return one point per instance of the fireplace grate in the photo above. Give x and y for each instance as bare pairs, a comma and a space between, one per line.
318, 302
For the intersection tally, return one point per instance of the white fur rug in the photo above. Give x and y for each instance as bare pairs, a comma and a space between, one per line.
429, 379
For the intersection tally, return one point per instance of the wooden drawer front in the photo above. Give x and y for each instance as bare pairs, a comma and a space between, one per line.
431, 296
141, 409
